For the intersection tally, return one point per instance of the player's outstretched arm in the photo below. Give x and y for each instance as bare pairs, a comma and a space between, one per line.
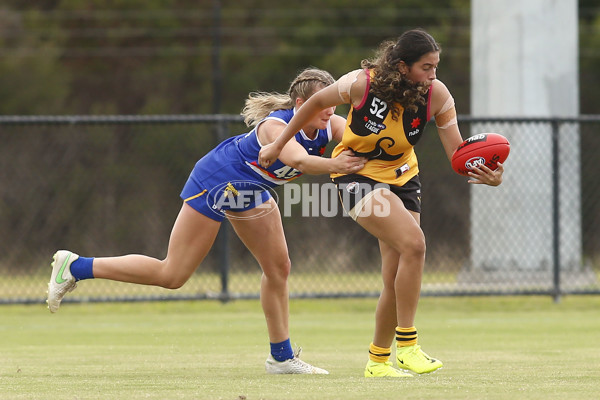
294, 155
324, 98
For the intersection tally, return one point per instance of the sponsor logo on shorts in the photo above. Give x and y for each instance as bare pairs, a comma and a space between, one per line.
353, 187
237, 196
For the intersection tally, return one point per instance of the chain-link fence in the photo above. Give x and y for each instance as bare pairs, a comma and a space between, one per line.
104, 186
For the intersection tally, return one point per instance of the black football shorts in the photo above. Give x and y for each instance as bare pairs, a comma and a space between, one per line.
355, 191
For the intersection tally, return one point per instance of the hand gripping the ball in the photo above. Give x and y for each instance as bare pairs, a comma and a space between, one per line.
486, 176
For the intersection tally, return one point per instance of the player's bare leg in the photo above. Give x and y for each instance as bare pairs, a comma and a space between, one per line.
192, 237
261, 230
404, 243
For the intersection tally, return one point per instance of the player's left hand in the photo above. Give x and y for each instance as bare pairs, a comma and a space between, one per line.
484, 175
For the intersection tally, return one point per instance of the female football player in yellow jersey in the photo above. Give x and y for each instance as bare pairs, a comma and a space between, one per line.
392, 97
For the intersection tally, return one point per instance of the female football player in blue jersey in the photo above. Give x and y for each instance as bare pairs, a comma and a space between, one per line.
392, 97
229, 183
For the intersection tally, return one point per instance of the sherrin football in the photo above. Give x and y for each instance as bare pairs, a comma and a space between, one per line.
487, 149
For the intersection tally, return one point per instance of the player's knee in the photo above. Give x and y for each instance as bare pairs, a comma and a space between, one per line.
414, 247
278, 270
418, 246
170, 278
173, 283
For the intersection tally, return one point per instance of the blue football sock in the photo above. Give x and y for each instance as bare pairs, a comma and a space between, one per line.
282, 351
82, 268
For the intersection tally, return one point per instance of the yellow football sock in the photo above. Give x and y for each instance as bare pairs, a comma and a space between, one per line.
406, 336
379, 354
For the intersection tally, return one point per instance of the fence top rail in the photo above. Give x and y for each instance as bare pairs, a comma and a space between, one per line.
212, 118
580, 118
116, 119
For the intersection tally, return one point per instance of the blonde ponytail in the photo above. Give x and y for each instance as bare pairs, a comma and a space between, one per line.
259, 105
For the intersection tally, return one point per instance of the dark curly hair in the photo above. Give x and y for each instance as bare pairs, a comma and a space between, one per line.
388, 83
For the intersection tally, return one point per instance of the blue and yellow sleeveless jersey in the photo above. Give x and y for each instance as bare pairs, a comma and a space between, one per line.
229, 177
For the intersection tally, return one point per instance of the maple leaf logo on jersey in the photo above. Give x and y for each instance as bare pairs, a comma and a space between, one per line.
415, 123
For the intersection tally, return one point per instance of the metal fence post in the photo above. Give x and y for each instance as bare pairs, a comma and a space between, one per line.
556, 211
224, 261
223, 238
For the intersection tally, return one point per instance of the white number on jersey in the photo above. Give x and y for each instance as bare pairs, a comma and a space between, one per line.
378, 107
286, 172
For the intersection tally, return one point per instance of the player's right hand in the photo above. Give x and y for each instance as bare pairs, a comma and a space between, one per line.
268, 154
348, 163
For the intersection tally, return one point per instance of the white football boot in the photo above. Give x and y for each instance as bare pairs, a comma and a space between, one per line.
292, 366
61, 280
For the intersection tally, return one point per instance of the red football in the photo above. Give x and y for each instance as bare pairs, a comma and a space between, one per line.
487, 149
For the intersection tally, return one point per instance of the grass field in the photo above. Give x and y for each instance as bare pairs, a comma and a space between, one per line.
492, 348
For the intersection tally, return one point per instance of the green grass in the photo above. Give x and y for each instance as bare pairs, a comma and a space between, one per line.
492, 348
